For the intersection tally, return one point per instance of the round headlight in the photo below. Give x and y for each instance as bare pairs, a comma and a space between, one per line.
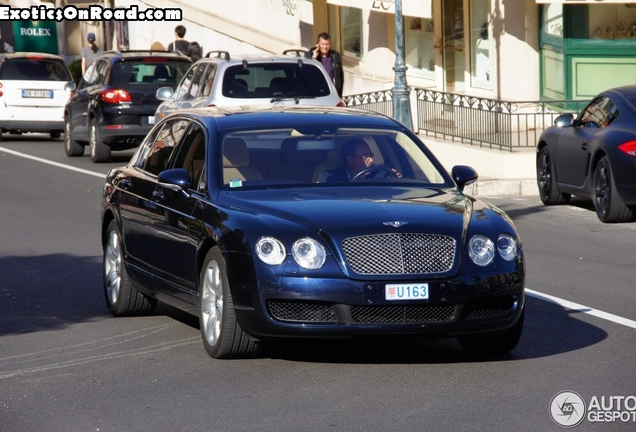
308, 253
270, 250
481, 250
507, 247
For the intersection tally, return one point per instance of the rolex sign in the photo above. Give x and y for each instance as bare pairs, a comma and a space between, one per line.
36, 36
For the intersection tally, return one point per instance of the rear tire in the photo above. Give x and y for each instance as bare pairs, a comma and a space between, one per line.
610, 208
221, 333
122, 298
100, 152
546, 181
498, 342
71, 147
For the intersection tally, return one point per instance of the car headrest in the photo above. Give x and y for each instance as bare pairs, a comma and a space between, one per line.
235, 153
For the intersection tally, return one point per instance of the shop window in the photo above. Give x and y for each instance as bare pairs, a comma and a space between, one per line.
481, 44
345, 28
592, 23
419, 45
552, 52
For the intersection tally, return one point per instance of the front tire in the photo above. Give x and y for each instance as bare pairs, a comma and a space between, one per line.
498, 342
546, 181
221, 333
610, 208
122, 298
100, 152
71, 147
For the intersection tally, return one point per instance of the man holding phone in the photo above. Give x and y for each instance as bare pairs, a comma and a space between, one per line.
330, 59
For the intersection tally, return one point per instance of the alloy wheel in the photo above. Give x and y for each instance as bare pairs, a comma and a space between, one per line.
212, 303
112, 267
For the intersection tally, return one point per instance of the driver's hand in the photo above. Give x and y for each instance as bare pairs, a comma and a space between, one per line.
397, 173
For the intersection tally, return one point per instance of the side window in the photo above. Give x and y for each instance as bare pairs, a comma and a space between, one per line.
184, 87
197, 81
101, 70
86, 78
208, 78
163, 146
141, 155
600, 113
191, 156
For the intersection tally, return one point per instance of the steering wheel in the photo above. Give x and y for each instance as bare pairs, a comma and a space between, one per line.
374, 169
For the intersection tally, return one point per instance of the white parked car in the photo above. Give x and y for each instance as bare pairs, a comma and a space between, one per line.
219, 79
34, 88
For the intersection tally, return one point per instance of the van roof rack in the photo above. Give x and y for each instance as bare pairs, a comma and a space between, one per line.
225, 55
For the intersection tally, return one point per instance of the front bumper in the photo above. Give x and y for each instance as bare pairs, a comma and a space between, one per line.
343, 308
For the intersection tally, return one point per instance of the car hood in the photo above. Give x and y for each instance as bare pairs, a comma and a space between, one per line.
351, 211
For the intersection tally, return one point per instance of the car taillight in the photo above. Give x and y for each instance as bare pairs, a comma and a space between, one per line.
629, 148
341, 104
115, 96
212, 105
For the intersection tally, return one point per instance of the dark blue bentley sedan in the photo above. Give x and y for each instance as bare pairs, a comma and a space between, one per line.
307, 222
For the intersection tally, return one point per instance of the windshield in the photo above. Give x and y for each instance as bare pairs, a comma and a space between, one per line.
268, 158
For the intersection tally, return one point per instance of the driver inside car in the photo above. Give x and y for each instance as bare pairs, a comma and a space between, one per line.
357, 156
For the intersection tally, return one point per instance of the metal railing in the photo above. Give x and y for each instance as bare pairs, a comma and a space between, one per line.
379, 101
488, 122
477, 121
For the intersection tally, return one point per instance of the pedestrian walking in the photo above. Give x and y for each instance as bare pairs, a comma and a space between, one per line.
89, 52
179, 44
330, 59
195, 51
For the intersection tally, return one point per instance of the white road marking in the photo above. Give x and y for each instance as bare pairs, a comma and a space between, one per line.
68, 167
581, 308
565, 303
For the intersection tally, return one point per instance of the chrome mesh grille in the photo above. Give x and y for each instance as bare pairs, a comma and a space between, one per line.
302, 312
400, 253
401, 314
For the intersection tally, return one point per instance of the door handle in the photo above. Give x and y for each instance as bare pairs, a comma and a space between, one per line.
158, 196
125, 184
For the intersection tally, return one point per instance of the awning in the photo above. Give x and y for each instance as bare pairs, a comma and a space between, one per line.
583, 1
413, 8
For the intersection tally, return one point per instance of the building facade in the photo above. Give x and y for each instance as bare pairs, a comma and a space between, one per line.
522, 50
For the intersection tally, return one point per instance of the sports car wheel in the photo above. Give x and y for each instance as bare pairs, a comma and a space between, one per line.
122, 298
100, 152
71, 147
548, 190
498, 342
610, 208
221, 333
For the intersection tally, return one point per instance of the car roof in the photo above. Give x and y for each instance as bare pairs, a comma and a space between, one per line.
220, 56
275, 116
130, 54
31, 54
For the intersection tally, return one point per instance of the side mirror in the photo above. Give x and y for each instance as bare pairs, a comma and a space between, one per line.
564, 120
70, 86
177, 180
463, 176
164, 93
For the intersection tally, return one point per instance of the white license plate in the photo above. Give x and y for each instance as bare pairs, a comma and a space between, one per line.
151, 119
46, 94
406, 291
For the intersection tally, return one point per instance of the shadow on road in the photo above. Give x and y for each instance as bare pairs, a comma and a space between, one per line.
55, 291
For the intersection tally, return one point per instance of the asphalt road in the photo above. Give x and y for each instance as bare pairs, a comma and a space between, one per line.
67, 365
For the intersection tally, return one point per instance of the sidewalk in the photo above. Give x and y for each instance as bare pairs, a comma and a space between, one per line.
501, 172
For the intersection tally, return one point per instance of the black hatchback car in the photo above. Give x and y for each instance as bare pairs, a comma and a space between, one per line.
241, 217
114, 104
